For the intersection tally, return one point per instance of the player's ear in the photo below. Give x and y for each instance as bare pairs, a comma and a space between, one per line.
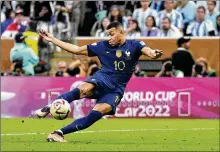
121, 31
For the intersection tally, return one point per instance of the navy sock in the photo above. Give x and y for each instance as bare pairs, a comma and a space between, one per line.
71, 95
82, 123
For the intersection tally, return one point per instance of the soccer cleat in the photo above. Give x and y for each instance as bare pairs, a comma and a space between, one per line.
56, 136
41, 113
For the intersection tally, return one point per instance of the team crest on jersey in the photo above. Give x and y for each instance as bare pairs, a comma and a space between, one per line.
128, 53
118, 53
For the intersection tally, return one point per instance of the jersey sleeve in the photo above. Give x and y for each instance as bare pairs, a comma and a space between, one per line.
94, 48
140, 45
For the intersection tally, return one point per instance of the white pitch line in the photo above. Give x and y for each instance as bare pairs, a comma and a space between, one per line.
126, 130
21, 134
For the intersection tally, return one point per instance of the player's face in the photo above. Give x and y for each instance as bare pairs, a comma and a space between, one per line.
115, 36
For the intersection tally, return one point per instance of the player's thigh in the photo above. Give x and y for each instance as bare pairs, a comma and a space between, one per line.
86, 89
107, 103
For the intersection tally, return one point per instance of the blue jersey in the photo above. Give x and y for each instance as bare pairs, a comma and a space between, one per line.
118, 62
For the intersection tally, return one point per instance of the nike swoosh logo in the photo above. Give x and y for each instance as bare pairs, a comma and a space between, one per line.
107, 52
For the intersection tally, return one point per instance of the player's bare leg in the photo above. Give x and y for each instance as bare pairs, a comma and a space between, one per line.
96, 114
84, 90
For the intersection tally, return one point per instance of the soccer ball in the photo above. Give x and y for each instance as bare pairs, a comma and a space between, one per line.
60, 109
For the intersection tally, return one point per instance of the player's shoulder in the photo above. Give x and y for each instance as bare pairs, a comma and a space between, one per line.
99, 43
105, 42
132, 41
136, 42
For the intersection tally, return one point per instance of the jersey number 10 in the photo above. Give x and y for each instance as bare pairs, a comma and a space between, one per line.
119, 65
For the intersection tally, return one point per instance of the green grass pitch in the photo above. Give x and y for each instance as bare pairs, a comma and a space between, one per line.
113, 135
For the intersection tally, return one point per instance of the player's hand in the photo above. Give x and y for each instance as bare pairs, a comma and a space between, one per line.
47, 36
157, 53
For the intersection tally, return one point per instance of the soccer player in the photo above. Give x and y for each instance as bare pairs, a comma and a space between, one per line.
118, 57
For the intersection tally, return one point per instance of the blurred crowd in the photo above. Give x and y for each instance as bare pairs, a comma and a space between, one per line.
22, 21
66, 19
76, 68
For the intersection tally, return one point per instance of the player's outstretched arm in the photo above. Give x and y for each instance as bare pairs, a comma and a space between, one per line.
154, 54
66, 46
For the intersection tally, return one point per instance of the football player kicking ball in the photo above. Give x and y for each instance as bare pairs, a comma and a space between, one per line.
118, 57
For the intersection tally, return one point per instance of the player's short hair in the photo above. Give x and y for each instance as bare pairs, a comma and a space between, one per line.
114, 25
202, 7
